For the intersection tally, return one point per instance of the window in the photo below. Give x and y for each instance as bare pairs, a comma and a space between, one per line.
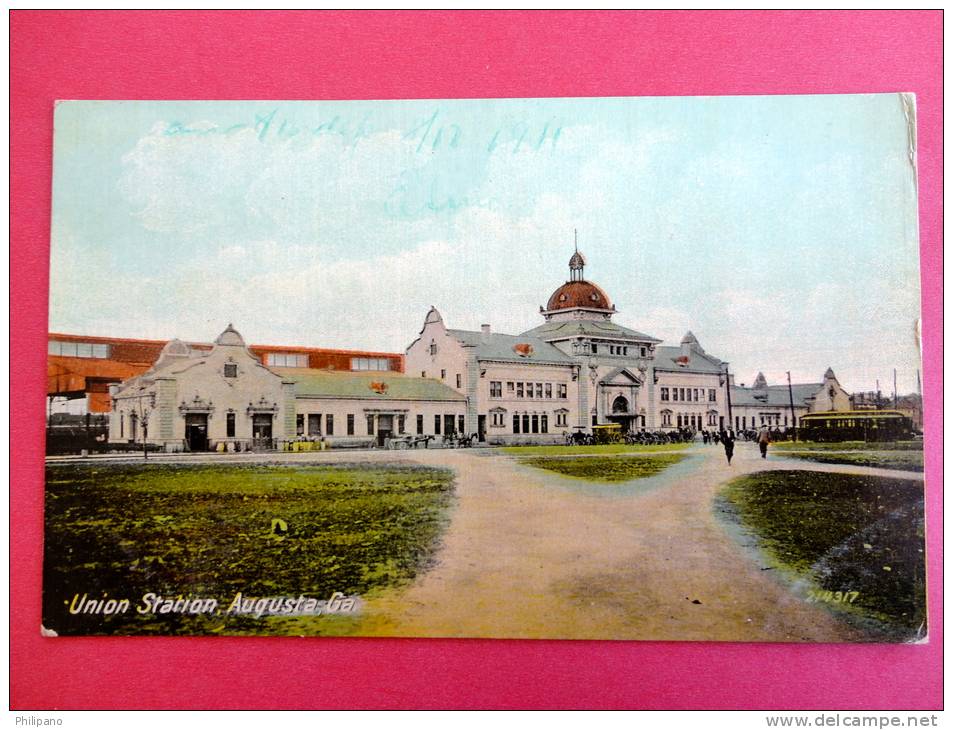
423, 373
560, 418
350, 424
401, 423
433, 348
595, 348
681, 394
509, 386
535, 422
299, 424
526, 423
370, 425
516, 424
496, 389
459, 381
443, 374
436, 425
329, 424
286, 360
666, 418
370, 363
562, 390
529, 390
664, 394
711, 395
549, 390
642, 352
122, 425
231, 370
78, 349
420, 424
461, 424
539, 390
519, 390
496, 418
230, 425
314, 424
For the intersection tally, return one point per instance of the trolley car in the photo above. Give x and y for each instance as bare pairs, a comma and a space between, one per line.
855, 426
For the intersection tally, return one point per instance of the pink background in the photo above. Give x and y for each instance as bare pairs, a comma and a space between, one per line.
384, 55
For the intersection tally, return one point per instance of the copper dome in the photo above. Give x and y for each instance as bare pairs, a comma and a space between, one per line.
580, 293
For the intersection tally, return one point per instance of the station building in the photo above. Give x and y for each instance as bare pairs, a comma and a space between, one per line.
576, 370
226, 399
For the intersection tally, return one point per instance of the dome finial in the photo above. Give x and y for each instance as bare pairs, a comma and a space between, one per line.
577, 262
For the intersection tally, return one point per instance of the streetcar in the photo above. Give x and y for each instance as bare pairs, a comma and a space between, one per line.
855, 426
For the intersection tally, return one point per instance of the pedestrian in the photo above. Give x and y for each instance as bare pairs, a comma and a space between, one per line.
728, 440
764, 438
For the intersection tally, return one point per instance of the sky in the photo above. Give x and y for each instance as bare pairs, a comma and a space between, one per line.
781, 230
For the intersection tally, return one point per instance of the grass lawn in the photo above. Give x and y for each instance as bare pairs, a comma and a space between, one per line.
214, 531
562, 450
849, 445
899, 460
857, 539
605, 468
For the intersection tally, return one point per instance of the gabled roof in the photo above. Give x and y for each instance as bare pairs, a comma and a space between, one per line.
674, 359
775, 395
565, 329
494, 346
336, 384
625, 372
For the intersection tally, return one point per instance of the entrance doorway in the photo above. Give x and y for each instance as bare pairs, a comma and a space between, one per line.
196, 431
261, 431
385, 428
481, 428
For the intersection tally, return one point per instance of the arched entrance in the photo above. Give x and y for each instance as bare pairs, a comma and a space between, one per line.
622, 414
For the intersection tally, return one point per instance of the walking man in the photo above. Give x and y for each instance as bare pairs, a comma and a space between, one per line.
728, 440
764, 438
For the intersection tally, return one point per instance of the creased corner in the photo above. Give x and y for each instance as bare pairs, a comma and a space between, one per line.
908, 102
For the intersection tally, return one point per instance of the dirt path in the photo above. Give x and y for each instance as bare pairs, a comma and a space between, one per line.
533, 555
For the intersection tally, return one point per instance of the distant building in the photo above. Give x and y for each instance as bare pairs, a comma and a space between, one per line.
771, 405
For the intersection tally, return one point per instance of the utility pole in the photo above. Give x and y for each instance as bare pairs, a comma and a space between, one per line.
895, 387
791, 399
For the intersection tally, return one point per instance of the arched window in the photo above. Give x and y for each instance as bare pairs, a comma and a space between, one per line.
666, 418
620, 405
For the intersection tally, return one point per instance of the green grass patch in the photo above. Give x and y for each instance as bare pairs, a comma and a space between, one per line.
849, 445
605, 468
858, 537
214, 531
562, 450
898, 460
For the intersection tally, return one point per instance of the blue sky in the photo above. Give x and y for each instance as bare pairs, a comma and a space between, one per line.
780, 230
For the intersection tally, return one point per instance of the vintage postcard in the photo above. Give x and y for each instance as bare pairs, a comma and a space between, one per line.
604, 368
